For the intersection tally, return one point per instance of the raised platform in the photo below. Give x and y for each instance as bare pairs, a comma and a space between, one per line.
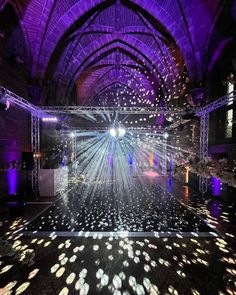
143, 210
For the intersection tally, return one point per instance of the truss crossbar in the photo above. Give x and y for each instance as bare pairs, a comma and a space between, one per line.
40, 111
74, 153
37, 112
22, 103
163, 158
218, 103
111, 110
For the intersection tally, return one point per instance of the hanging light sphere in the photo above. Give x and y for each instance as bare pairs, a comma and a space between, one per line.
113, 132
117, 132
121, 132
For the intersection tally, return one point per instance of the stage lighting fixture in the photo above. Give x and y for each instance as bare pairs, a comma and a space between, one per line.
72, 134
117, 132
121, 132
165, 135
50, 119
4, 103
169, 119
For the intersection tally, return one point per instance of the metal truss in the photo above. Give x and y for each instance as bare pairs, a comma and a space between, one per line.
22, 103
204, 132
163, 158
176, 124
35, 145
199, 111
38, 112
204, 126
74, 151
218, 103
144, 130
121, 110
42, 111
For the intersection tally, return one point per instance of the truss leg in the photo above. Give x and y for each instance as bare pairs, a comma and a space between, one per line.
35, 144
204, 128
74, 164
164, 157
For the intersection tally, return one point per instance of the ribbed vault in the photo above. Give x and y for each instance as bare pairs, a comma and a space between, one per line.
152, 49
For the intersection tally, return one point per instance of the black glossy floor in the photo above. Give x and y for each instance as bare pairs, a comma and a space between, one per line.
123, 265
142, 210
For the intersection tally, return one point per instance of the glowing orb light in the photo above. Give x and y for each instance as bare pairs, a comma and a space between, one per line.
117, 132
113, 132
121, 132
166, 135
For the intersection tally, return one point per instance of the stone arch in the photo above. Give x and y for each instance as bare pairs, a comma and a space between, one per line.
53, 37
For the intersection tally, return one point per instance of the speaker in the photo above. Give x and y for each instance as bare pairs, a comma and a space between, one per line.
27, 160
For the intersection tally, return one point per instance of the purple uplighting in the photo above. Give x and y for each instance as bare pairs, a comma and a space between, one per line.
110, 160
12, 181
216, 183
215, 208
130, 159
171, 168
118, 147
12, 174
156, 161
169, 187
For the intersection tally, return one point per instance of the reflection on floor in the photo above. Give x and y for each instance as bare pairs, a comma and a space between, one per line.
146, 211
128, 265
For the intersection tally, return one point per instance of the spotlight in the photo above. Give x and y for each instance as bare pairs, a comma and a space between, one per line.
121, 132
49, 119
165, 135
113, 132
117, 132
4, 103
169, 119
72, 134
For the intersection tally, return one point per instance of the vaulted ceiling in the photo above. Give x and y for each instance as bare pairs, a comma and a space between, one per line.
136, 52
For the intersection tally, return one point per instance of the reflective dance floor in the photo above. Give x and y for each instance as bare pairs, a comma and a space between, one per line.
143, 209
96, 239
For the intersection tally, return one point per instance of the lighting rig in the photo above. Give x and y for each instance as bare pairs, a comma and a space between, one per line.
202, 112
